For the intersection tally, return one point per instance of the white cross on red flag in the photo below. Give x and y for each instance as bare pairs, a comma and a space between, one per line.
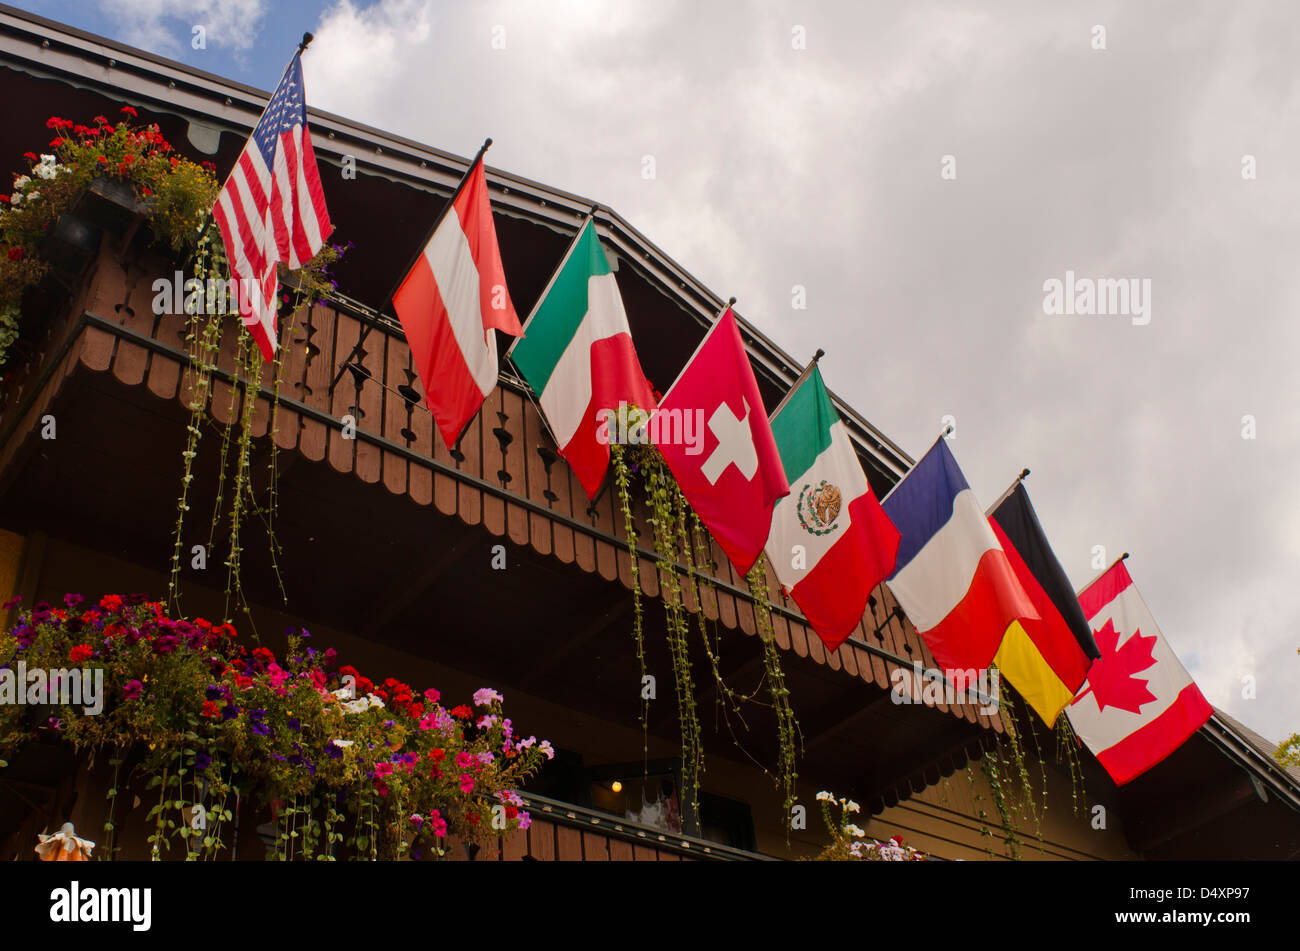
730, 472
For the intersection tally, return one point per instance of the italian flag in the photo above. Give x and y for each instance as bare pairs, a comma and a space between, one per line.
577, 355
831, 542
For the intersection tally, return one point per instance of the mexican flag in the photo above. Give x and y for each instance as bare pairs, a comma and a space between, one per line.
577, 355
831, 542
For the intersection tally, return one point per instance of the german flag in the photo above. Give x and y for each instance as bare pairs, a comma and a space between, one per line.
1045, 660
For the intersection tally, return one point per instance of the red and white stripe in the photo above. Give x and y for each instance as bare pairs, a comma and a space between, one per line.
268, 216
449, 303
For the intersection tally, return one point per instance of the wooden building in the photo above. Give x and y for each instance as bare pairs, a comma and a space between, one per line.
388, 538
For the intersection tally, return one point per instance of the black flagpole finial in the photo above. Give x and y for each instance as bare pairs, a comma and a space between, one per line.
306, 41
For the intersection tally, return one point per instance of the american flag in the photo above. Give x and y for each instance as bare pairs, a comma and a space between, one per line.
272, 207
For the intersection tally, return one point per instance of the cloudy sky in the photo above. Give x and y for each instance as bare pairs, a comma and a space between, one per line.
807, 144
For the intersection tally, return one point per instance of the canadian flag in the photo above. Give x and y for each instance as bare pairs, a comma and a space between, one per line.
1138, 704
713, 432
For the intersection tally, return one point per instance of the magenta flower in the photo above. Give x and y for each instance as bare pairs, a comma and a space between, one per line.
383, 769
466, 783
439, 823
133, 690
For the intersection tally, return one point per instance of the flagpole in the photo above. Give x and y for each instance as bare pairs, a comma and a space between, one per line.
402, 275
487, 143
797, 383
302, 45
1011, 488
591, 216
731, 302
946, 430
1095, 580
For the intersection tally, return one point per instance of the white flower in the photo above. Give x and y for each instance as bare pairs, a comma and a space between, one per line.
854, 831
16, 198
856, 849
49, 167
34, 194
824, 796
20, 181
342, 744
852, 806
343, 693
374, 701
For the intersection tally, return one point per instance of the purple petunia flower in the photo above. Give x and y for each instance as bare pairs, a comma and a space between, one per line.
132, 690
229, 712
72, 600
294, 724
213, 692
201, 762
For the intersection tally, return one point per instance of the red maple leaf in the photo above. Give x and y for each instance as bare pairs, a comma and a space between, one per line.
1110, 678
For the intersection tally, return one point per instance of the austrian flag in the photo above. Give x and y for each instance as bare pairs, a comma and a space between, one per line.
450, 303
732, 480
1139, 704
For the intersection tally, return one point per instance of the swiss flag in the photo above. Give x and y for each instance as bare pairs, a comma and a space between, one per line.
712, 430
1139, 704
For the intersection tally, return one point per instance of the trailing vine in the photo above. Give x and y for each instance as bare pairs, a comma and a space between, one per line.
1067, 750
788, 733
236, 496
660, 490
685, 567
623, 483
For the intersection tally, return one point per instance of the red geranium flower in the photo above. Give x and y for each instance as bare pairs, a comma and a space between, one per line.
211, 710
101, 160
511, 812
100, 120
31, 156
472, 818
15, 254
56, 143
462, 711
80, 653
4, 198
436, 754
129, 111
111, 603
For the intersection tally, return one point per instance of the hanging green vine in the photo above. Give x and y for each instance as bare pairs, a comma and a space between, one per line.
236, 496
623, 483
660, 490
788, 733
1067, 751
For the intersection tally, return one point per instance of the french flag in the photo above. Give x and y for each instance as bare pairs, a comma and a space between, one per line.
952, 578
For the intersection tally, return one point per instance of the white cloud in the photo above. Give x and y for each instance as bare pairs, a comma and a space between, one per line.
167, 26
820, 167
